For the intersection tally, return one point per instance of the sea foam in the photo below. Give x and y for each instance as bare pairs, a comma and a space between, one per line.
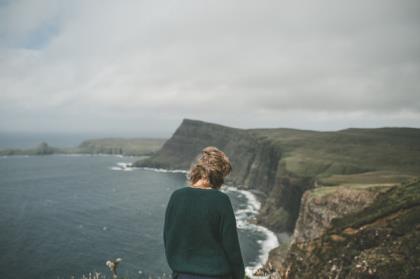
122, 166
244, 216
163, 170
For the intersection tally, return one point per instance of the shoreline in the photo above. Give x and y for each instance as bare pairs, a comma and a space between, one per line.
271, 240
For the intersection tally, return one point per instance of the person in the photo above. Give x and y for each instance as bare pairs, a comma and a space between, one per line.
200, 234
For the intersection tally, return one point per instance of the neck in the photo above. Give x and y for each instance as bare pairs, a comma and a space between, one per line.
202, 183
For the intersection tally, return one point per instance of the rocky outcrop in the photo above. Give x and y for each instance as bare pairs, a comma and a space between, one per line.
44, 149
320, 206
378, 240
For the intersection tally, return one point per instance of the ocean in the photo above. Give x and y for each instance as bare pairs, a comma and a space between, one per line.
66, 215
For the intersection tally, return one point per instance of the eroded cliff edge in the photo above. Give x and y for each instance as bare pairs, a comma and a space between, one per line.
281, 164
379, 239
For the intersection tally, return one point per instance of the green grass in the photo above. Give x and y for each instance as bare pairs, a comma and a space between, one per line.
398, 198
313, 153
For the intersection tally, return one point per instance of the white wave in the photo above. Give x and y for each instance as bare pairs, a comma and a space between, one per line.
106, 155
122, 166
69, 154
129, 167
243, 218
163, 170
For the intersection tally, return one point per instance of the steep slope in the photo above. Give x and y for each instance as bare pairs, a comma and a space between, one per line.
377, 240
254, 160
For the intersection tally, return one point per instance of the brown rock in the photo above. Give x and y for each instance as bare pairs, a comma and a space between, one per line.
350, 231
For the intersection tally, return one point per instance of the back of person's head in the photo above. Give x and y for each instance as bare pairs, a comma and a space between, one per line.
211, 164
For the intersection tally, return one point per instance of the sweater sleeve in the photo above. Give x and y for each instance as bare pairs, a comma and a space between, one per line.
230, 242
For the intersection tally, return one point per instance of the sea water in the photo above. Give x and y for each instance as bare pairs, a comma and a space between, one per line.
66, 215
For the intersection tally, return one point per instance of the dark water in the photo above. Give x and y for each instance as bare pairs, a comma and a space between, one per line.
67, 215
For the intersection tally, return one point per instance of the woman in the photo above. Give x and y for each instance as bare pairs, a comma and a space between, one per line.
200, 235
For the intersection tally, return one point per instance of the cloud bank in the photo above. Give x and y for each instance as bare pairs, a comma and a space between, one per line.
139, 67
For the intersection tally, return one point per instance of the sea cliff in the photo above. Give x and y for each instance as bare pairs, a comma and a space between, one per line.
377, 239
306, 179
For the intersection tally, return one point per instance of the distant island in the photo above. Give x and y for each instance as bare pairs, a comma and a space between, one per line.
119, 146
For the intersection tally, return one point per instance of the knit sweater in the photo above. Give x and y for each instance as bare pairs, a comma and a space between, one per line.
200, 234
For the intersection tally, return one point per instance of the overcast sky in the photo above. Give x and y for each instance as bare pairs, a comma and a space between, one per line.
139, 67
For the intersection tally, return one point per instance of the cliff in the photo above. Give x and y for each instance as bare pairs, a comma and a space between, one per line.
283, 163
255, 162
377, 240
350, 197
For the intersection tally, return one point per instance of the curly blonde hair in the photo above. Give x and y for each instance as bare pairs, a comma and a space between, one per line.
211, 164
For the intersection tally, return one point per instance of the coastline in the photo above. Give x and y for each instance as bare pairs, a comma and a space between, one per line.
271, 240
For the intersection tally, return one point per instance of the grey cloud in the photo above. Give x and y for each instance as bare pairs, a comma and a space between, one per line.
244, 63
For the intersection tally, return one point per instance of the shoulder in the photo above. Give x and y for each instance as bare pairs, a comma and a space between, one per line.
215, 194
176, 193
223, 196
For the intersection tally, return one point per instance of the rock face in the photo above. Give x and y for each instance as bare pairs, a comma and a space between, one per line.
44, 149
377, 241
320, 206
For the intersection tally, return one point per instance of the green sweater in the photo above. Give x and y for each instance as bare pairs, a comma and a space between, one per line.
200, 234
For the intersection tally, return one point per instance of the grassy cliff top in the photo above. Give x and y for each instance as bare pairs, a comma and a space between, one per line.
313, 153
303, 152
